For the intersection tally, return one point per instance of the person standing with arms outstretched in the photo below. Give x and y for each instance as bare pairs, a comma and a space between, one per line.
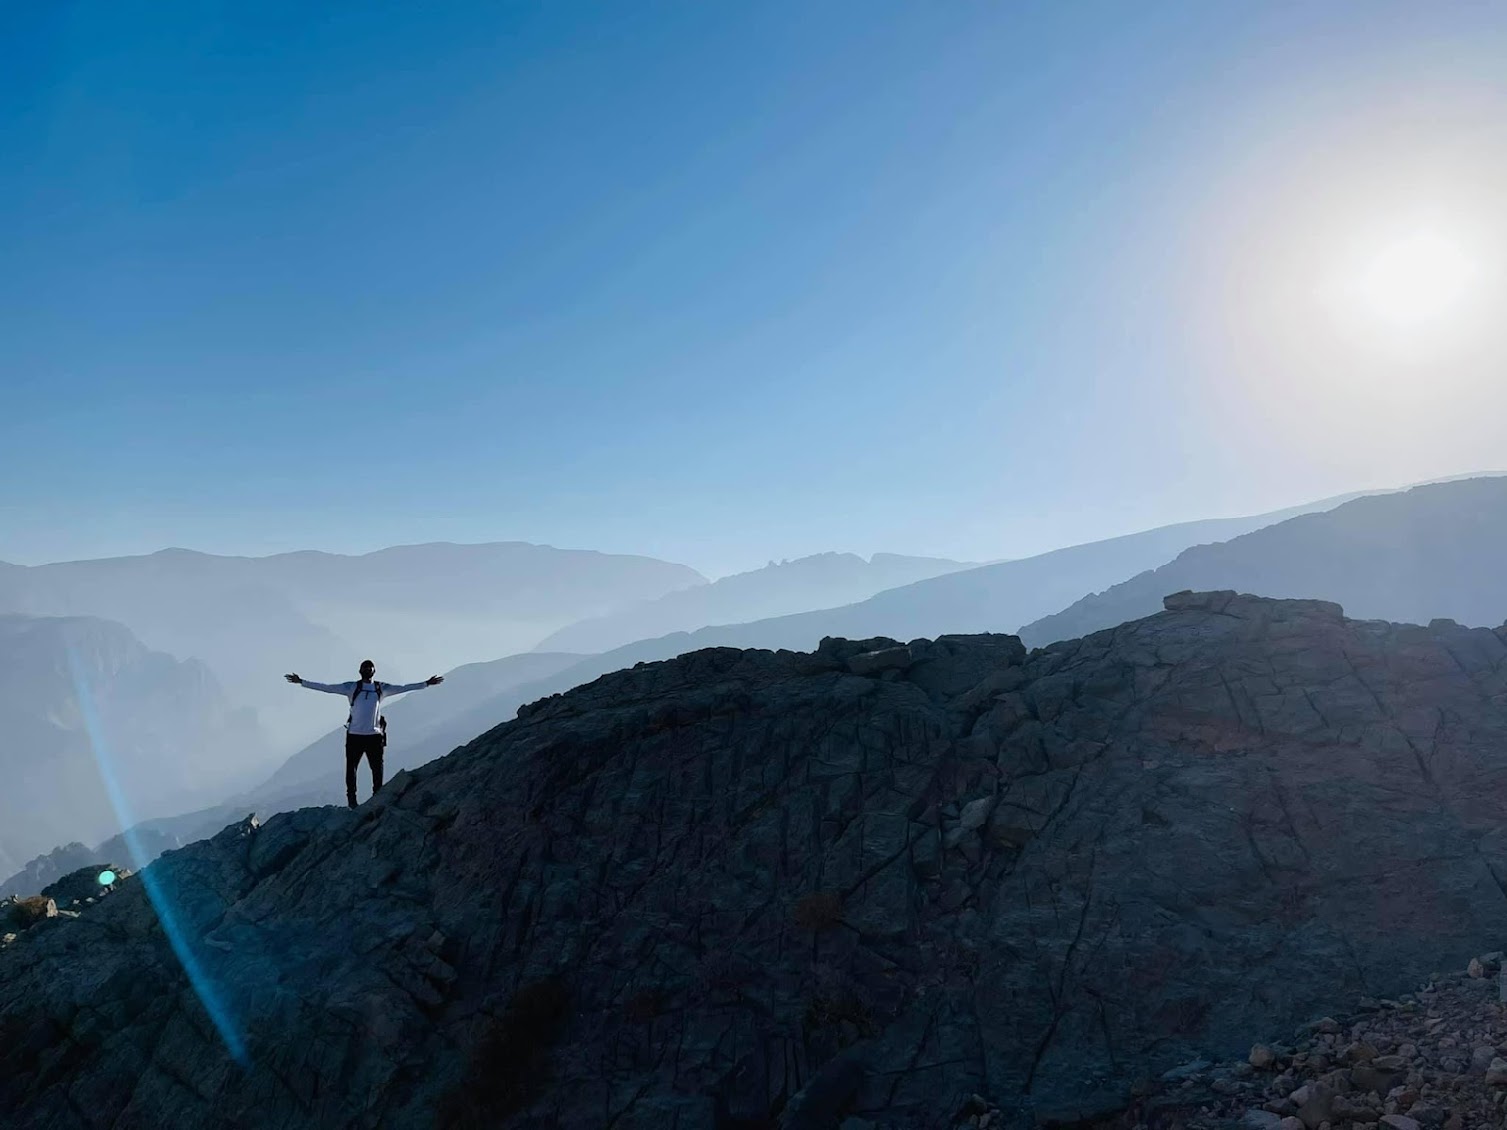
365, 728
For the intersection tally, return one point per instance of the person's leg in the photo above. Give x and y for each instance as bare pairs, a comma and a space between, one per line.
352, 759
374, 758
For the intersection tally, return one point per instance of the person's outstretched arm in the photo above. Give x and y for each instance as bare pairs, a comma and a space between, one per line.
328, 688
391, 689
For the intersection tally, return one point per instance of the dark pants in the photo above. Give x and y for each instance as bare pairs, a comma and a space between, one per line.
357, 746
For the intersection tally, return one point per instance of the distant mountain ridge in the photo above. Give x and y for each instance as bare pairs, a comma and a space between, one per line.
171, 741
1432, 551
415, 609
997, 598
819, 581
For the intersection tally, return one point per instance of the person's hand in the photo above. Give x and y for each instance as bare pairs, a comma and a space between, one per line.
434, 680
293, 678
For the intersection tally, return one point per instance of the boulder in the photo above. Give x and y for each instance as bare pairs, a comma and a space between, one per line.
1317, 1105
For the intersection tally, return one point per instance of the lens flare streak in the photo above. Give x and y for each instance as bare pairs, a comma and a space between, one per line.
177, 938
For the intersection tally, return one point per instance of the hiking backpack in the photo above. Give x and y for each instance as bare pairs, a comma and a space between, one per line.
381, 718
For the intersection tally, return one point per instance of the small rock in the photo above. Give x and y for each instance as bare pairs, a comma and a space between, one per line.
1400, 1122
1496, 1073
1291, 1123
1353, 1108
1404, 1097
1480, 1059
1261, 1056
1358, 1053
955, 836
1475, 968
1379, 1075
1185, 1070
975, 813
1260, 1120
1315, 1110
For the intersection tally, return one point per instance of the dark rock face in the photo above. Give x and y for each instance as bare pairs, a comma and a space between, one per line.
760, 889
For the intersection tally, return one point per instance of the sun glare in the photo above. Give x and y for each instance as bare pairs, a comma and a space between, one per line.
1417, 285
1417, 280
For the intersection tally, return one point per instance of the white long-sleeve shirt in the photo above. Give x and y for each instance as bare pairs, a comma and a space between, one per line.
365, 711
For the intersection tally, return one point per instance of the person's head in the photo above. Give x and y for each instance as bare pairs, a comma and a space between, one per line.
368, 669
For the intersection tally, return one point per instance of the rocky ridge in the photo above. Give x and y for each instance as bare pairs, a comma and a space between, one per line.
857, 887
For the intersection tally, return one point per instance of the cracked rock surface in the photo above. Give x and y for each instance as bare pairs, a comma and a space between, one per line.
876, 885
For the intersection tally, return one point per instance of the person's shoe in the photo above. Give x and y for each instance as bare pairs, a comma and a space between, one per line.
350, 802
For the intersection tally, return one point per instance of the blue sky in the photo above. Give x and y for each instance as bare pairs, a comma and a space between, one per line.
715, 282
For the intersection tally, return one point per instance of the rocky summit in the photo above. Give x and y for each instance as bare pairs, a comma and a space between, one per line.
876, 885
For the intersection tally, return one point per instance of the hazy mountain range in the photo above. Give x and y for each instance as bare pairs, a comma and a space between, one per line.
994, 598
823, 580
416, 609
1435, 551
168, 739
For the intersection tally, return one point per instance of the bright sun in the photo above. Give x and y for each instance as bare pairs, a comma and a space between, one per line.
1415, 285
1417, 280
